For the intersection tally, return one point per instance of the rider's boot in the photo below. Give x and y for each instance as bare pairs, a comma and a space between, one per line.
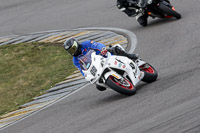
121, 52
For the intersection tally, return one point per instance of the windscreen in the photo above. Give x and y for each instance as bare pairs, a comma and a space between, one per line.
85, 60
142, 3
132, 1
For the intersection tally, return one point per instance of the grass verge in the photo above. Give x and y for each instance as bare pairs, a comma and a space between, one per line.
28, 69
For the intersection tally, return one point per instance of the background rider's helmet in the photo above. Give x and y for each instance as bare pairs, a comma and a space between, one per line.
72, 46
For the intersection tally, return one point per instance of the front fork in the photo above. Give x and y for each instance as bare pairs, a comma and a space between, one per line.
138, 16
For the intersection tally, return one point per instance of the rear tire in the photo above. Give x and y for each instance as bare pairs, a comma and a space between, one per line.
169, 11
113, 83
150, 74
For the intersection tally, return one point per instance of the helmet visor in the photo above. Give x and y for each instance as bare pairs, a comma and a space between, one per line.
73, 48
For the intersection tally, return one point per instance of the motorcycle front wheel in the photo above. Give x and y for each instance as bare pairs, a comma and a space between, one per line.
150, 73
169, 11
122, 86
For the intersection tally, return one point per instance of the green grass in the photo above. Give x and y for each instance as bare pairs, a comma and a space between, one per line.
28, 69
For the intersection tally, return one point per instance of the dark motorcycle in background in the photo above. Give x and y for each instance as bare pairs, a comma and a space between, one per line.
153, 8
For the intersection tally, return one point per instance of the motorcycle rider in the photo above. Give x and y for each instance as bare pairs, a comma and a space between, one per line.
130, 9
73, 47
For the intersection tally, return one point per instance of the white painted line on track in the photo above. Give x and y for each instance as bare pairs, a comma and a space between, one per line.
43, 108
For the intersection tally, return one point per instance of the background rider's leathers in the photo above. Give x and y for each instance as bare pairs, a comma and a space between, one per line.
130, 10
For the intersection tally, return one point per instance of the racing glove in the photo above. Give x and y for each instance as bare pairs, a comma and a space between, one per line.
103, 51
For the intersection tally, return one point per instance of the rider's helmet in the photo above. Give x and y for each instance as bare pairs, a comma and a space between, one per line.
72, 46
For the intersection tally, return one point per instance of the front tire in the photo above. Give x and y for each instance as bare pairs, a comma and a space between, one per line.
169, 11
124, 87
150, 73
142, 20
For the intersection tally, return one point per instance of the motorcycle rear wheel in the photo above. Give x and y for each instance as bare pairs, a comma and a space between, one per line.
150, 73
124, 87
169, 11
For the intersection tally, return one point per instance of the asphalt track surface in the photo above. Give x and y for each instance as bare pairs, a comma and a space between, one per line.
169, 105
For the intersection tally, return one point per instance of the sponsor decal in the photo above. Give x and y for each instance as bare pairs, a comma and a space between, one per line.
88, 65
120, 64
115, 76
119, 61
132, 65
140, 75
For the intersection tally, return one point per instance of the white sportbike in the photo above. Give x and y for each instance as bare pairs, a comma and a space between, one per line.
116, 72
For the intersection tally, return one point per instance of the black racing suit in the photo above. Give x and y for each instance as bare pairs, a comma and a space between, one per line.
124, 6
130, 10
